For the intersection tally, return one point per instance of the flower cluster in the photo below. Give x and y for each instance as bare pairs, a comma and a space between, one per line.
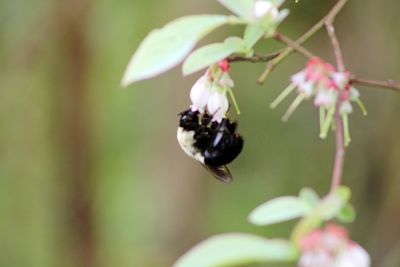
209, 93
331, 247
332, 91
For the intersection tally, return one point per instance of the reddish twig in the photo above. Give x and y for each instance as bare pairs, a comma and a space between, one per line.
388, 84
340, 151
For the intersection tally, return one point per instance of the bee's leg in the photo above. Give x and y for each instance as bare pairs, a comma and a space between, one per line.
202, 137
206, 119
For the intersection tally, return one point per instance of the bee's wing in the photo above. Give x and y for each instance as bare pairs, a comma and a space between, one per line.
222, 173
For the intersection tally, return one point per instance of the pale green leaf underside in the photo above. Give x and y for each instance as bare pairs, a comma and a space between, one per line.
252, 35
205, 56
237, 248
279, 210
309, 196
165, 48
210, 54
242, 8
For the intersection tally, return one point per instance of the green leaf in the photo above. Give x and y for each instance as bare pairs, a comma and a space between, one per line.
277, 2
235, 249
237, 44
210, 54
279, 210
327, 209
252, 35
270, 23
165, 48
309, 196
347, 214
205, 56
333, 204
242, 8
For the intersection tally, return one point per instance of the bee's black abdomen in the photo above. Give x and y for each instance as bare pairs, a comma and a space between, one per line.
225, 153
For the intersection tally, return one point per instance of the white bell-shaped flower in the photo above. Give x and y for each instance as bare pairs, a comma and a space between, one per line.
299, 78
200, 94
316, 258
354, 256
341, 79
218, 104
331, 247
262, 8
345, 107
325, 98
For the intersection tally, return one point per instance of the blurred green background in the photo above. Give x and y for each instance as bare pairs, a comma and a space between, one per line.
92, 175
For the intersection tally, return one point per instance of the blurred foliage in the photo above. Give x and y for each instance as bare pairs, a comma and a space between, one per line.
91, 175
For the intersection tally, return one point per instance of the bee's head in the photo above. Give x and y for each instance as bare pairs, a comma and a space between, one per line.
189, 120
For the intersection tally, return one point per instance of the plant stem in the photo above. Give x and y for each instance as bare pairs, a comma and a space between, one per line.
254, 59
339, 153
335, 46
314, 29
290, 43
340, 140
388, 84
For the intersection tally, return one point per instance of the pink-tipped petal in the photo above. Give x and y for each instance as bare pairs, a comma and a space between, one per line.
341, 79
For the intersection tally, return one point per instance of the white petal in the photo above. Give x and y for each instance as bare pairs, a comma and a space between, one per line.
306, 88
299, 78
200, 94
282, 15
346, 107
218, 105
325, 98
354, 94
226, 80
340, 79
315, 258
354, 256
262, 8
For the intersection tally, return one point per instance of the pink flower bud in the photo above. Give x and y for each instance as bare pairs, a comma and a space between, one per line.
223, 65
344, 95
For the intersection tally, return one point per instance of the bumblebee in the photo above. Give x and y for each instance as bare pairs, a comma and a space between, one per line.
212, 144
